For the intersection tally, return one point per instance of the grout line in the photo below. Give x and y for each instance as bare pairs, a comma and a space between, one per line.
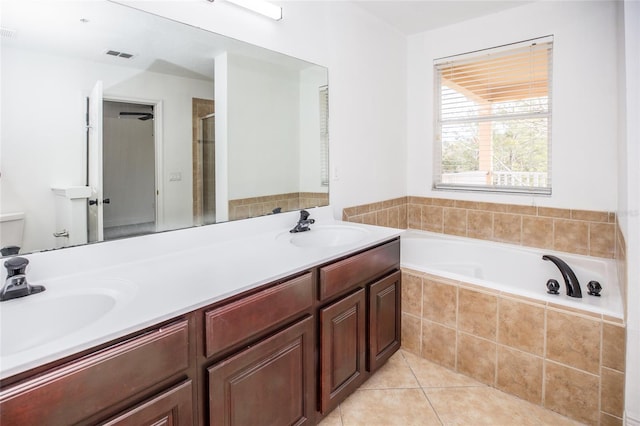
422, 389
340, 414
544, 359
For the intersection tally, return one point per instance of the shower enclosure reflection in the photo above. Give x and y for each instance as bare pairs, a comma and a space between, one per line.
207, 170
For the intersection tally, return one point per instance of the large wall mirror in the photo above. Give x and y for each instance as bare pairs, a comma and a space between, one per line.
117, 123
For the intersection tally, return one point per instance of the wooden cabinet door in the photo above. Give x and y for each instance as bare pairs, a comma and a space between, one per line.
271, 383
342, 349
171, 408
384, 320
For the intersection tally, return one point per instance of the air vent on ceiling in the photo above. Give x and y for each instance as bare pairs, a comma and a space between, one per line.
7, 33
119, 54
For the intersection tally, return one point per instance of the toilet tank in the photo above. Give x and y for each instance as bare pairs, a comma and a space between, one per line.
11, 229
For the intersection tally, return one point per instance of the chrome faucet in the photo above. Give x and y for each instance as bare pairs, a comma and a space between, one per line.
570, 279
16, 284
303, 222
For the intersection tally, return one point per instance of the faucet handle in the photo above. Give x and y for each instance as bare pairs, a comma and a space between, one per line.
304, 214
16, 266
553, 286
594, 288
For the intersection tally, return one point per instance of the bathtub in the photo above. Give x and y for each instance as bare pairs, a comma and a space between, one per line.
512, 269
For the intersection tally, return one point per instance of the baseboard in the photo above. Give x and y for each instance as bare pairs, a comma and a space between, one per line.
630, 421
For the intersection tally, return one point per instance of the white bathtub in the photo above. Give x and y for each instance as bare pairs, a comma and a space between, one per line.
512, 269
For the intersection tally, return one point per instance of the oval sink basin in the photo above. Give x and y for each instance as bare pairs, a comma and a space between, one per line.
39, 319
327, 236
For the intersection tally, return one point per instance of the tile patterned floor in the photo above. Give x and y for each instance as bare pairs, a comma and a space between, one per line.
409, 390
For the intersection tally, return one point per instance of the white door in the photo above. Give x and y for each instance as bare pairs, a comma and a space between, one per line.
94, 158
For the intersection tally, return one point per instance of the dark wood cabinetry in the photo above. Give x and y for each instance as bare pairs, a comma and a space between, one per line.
171, 408
342, 349
384, 320
285, 353
244, 319
268, 384
361, 330
81, 390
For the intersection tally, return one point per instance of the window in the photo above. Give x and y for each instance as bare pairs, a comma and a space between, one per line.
493, 122
324, 136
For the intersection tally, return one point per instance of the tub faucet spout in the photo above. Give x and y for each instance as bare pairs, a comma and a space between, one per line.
570, 279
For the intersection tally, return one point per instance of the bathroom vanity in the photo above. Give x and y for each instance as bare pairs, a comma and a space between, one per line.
285, 350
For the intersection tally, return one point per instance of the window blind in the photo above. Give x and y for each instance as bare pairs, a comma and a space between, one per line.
324, 136
493, 119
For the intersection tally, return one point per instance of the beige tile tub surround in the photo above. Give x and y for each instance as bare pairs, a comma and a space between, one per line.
573, 231
566, 360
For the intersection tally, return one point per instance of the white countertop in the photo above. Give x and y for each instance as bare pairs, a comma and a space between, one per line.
161, 276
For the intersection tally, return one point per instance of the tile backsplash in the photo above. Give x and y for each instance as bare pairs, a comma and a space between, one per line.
583, 232
243, 208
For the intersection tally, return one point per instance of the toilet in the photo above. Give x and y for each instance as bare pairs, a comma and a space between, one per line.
11, 231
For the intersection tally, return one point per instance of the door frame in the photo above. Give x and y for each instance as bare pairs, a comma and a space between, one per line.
158, 148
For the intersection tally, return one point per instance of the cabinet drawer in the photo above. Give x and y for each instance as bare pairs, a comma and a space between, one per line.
233, 323
173, 407
82, 388
340, 276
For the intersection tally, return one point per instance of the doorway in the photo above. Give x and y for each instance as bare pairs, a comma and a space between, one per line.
129, 169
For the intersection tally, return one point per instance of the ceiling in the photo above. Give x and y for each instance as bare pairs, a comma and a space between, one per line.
89, 29
416, 16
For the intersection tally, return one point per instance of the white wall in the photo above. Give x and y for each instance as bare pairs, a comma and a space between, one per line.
584, 120
367, 82
263, 128
50, 91
629, 201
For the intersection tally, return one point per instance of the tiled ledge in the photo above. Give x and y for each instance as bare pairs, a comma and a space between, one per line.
258, 206
583, 232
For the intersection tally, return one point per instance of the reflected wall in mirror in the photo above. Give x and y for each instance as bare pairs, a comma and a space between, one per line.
117, 123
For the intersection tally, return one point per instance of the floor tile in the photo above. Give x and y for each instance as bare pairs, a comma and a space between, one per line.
409, 390
333, 419
431, 375
488, 406
388, 407
395, 373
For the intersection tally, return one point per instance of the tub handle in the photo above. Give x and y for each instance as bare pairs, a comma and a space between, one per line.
594, 288
553, 286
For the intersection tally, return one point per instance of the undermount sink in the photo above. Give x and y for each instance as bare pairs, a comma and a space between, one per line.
39, 319
326, 236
